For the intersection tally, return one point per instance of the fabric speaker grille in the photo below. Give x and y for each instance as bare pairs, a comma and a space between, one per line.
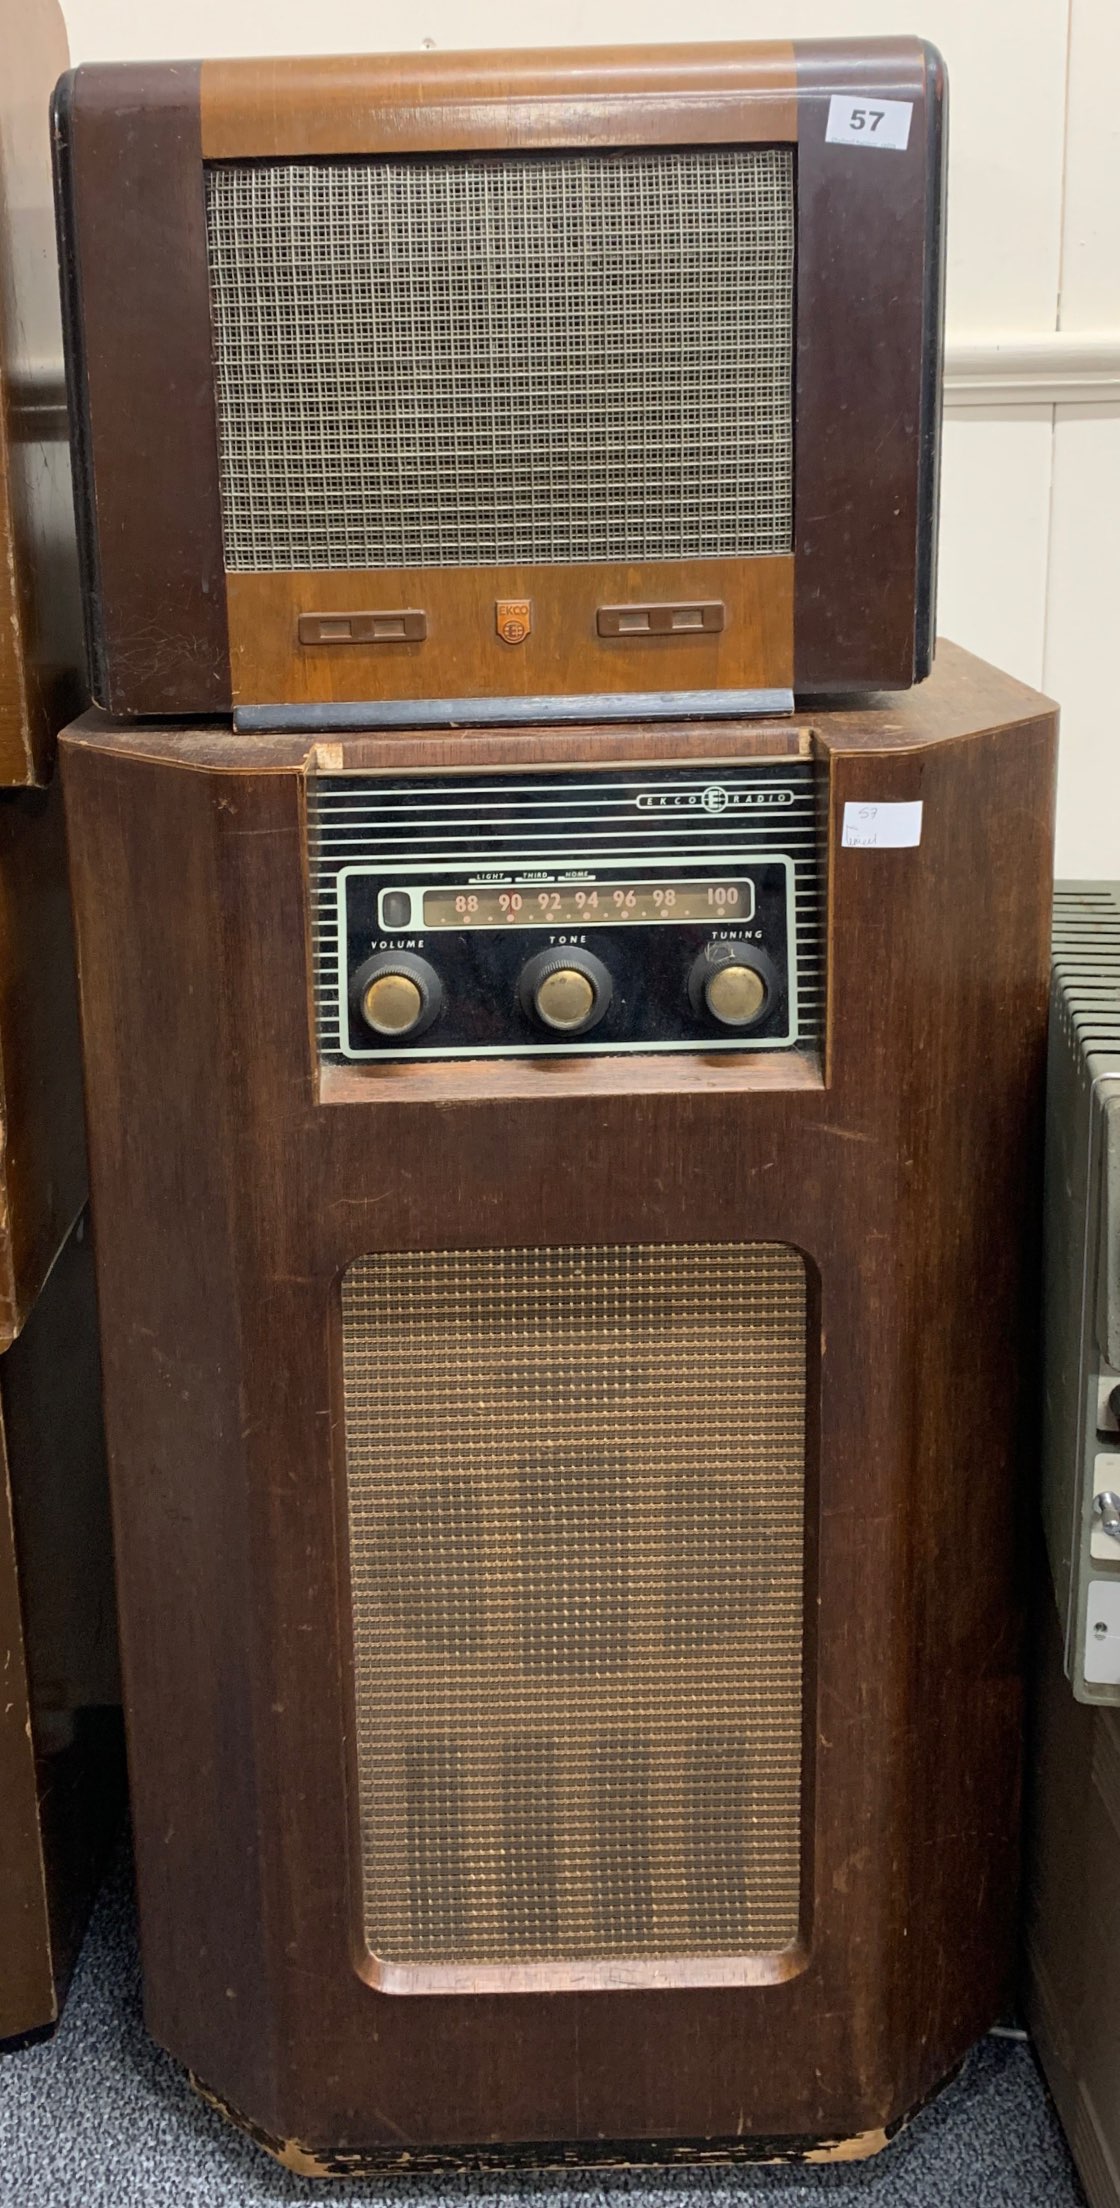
576, 1495
503, 360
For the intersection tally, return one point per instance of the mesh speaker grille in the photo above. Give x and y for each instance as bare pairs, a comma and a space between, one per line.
477, 362
576, 1503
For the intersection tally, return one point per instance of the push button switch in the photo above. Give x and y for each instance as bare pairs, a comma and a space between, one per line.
706, 615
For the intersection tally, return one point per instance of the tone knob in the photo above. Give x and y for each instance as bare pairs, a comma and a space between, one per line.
397, 994
567, 991
731, 984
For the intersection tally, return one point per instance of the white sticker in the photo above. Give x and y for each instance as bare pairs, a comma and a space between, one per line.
863, 120
882, 827
1102, 1634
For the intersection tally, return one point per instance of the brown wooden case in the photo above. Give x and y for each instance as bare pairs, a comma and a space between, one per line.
61, 1760
61, 1753
845, 601
43, 1164
40, 613
235, 1182
61, 1740
42, 1145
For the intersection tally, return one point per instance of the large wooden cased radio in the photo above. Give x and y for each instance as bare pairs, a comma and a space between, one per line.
567, 1240
506, 385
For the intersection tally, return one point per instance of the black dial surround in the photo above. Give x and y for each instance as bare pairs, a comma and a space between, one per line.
485, 1011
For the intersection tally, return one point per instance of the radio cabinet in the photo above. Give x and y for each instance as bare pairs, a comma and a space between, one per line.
567, 1498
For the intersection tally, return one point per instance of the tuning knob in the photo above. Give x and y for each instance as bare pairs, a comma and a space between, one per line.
731, 984
566, 990
397, 994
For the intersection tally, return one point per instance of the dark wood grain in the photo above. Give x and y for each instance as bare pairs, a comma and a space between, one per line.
231, 1196
40, 619
426, 752
61, 1746
142, 386
527, 1078
868, 374
43, 1158
173, 1163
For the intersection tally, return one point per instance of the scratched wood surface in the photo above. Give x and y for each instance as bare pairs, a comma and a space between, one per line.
172, 634
231, 1193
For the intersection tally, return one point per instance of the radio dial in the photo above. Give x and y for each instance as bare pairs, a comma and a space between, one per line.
567, 991
397, 994
730, 984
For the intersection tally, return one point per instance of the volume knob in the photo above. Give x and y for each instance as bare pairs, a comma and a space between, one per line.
397, 994
565, 990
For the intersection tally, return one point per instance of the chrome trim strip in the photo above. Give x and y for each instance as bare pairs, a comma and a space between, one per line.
379, 713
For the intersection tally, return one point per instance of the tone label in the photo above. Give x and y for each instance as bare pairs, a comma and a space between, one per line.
891, 827
859, 119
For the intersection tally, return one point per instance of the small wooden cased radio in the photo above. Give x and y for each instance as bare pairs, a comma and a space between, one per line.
506, 386
567, 1222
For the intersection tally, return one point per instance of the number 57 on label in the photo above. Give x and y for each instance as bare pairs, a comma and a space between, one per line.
861, 120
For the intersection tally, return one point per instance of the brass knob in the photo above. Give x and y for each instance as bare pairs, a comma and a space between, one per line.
735, 995
391, 1004
731, 985
396, 995
568, 991
564, 999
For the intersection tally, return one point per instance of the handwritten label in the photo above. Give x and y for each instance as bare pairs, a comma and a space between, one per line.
882, 827
862, 120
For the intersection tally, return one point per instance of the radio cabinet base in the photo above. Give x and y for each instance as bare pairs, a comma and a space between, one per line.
552, 2159
573, 1680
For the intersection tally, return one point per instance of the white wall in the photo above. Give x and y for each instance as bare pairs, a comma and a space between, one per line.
1030, 550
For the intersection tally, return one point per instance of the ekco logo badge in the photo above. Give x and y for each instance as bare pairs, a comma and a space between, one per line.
514, 619
714, 797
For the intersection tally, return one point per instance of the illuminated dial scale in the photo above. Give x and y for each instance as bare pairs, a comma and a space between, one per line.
525, 961
586, 903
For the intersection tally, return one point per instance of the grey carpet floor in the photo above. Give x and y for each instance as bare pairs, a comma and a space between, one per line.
98, 2116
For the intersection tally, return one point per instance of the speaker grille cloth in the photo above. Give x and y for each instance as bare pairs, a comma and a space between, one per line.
487, 361
576, 1500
